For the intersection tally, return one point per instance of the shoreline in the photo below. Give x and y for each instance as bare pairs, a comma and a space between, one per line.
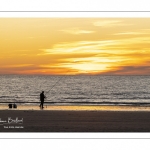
79, 107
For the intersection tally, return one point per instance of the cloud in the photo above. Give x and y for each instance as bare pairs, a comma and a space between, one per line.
83, 55
17, 66
131, 33
81, 47
129, 70
109, 23
101, 56
77, 31
101, 49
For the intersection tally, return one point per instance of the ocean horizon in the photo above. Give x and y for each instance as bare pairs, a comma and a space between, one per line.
76, 89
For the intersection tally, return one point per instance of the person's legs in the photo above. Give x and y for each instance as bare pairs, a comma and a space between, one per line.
42, 102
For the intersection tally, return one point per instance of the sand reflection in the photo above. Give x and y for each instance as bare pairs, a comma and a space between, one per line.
78, 108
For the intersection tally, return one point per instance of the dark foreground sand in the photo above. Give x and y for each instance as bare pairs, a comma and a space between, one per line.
76, 121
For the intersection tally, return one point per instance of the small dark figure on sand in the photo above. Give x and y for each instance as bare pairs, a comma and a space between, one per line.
42, 97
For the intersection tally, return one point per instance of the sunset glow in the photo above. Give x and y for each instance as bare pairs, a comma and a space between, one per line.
72, 46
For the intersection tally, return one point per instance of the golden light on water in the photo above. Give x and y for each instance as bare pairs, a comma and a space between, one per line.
78, 108
75, 46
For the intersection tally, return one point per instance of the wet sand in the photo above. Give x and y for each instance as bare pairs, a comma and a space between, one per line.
77, 120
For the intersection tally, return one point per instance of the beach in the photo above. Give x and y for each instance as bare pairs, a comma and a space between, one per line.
67, 119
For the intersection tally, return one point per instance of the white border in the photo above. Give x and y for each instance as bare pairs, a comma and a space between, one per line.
76, 144
65, 135
74, 5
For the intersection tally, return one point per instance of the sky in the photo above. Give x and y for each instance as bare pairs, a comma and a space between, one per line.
75, 46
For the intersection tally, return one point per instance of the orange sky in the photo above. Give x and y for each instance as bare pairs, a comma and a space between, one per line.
115, 46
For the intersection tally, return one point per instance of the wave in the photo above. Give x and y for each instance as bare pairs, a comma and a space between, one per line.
82, 103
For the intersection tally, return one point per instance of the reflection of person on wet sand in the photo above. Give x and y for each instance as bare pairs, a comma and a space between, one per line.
42, 97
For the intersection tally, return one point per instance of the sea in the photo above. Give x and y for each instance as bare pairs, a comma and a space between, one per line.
76, 89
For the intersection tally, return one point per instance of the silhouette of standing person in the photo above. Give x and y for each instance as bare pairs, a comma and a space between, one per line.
42, 97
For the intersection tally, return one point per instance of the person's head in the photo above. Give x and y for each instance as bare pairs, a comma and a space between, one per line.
42, 91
